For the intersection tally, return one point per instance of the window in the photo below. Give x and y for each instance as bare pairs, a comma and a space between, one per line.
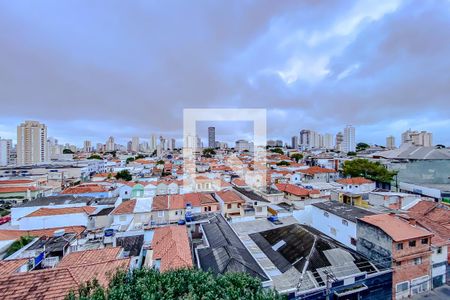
353, 241
398, 263
344, 222
412, 243
439, 250
400, 246
229, 206
176, 213
160, 214
402, 287
417, 261
424, 241
325, 214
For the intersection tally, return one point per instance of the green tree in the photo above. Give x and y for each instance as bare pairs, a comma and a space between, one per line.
351, 153
19, 244
68, 151
297, 157
94, 156
178, 284
125, 175
368, 169
209, 152
283, 163
362, 146
130, 159
277, 150
160, 162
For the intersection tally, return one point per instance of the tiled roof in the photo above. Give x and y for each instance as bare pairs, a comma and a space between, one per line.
295, 190
6, 234
170, 244
16, 181
10, 266
165, 202
126, 207
230, 197
90, 256
44, 284
198, 199
17, 189
44, 211
58, 282
397, 228
84, 189
239, 182
354, 180
317, 170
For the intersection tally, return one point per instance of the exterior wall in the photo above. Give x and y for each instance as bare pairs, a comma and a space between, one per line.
439, 265
123, 220
103, 221
28, 223
232, 209
334, 226
373, 243
19, 212
362, 188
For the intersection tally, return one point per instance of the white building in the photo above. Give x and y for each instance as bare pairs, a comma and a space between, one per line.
349, 143
337, 220
110, 144
327, 141
5, 152
31, 143
390, 142
135, 144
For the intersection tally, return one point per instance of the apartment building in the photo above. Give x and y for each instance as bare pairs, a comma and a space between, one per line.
31, 143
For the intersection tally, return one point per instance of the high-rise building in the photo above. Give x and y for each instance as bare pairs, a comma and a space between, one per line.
417, 138
327, 141
5, 152
294, 142
422, 138
339, 141
211, 137
87, 146
172, 144
135, 144
153, 142
349, 144
390, 142
110, 144
31, 143
309, 139
242, 145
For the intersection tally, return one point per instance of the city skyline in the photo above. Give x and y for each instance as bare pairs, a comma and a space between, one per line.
360, 63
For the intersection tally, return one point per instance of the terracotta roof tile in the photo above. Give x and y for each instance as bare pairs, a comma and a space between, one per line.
126, 207
90, 256
230, 197
354, 180
17, 189
295, 190
16, 181
170, 244
397, 228
84, 189
44, 211
10, 266
7, 234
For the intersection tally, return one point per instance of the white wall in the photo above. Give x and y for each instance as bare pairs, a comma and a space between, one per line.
333, 226
19, 212
28, 223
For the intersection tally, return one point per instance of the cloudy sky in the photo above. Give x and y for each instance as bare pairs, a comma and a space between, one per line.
90, 69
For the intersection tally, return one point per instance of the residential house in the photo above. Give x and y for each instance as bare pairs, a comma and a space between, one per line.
57, 217
230, 203
337, 220
132, 214
318, 174
295, 193
357, 185
172, 208
391, 241
170, 249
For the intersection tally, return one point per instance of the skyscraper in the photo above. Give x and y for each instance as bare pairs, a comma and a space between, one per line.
294, 142
339, 141
87, 146
153, 142
31, 143
327, 141
211, 137
135, 144
390, 142
110, 144
5, 152
349, 144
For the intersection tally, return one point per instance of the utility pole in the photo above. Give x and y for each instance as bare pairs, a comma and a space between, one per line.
328, 283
